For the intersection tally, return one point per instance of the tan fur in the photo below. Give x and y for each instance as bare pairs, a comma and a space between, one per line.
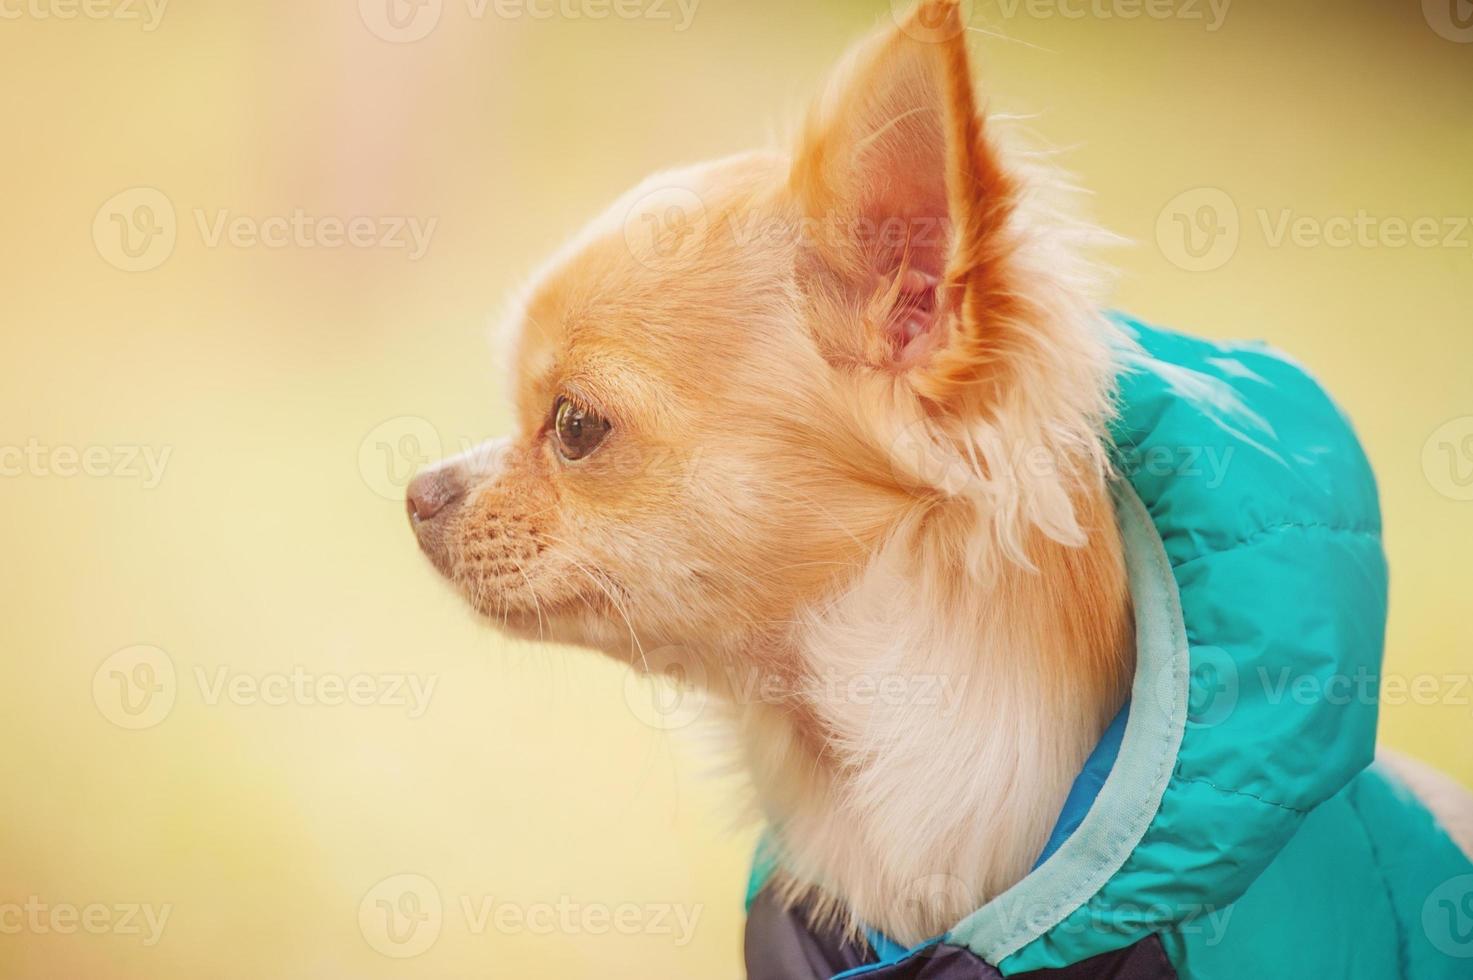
840, 463
1450, 802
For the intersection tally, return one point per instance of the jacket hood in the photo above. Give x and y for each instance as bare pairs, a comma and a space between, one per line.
1253, 543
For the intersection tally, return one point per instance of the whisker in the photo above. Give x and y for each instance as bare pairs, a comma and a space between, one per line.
530, 591
623, 612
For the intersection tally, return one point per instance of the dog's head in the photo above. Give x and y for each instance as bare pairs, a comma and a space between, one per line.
738, 383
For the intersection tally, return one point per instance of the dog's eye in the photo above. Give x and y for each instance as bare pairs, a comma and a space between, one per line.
579, 430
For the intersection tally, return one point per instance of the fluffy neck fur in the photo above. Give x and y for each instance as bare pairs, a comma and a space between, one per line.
952, 689
941, 720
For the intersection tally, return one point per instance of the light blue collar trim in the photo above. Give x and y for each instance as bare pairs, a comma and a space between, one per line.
1132, 792
1087, 785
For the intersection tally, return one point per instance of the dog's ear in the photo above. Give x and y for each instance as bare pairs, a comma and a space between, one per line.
912, 209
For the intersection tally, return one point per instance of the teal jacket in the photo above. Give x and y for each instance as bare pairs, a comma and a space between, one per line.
1231, 823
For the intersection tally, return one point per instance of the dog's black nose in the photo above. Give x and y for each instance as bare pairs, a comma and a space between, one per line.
431, 492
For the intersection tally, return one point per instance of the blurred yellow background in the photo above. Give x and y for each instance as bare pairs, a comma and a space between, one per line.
281, 390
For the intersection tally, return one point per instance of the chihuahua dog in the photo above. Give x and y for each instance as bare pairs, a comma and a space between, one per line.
767, 418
